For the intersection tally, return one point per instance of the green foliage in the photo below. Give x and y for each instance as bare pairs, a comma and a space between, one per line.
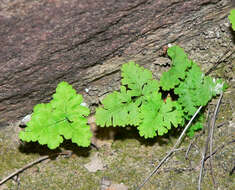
119, 109
191, 131
197, 125
180, 64
159, 116
123, 108
140, 103
196, 90
135, 77
62, 118
232, 18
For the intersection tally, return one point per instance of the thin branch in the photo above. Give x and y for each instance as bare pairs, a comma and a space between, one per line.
221, 124
232, 170
212, 134
18, 181
157, 167
204, 155
197, 135
186, 128
174, 149
31, 164
209, 141
219, 148
189, 147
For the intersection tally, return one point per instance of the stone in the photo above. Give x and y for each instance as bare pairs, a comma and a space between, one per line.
46, 42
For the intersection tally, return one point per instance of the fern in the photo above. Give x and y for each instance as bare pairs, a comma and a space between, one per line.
123, 108
180, 64
139, 102
158, 116
118, 110
195, 89
62, 118
197, 125
231, 18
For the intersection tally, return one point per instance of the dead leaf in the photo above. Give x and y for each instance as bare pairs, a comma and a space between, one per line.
120, 186
105, 183
3, 187
95, 164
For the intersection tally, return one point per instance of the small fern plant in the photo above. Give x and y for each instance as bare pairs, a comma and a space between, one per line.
62, 118
140, 100
231, 18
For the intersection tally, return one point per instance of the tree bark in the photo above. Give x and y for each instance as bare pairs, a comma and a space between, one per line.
84, 42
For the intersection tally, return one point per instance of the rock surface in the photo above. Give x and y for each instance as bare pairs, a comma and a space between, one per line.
84, 43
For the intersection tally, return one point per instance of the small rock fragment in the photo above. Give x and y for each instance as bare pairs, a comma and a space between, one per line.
3, 187
162, 61
120, 186
95, 164
25, 120
105, 183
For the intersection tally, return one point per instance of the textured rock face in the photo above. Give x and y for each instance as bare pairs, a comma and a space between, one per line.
84, 42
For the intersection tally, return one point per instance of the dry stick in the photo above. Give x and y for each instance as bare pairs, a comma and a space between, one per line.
174, 149
189, 148
205, 151
212, 134
219, 148
204, 155
209, 139
220, 125
196, 136
30, 165
18, 181
191, 144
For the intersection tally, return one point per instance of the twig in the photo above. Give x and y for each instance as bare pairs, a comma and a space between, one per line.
232, 170
209, 140
196, 136
219, 148
30, 165
204, 155
221, 124
189, 147
205, 151
93, 145
212, 134
157, 167
191, 144
18, 181
174, 149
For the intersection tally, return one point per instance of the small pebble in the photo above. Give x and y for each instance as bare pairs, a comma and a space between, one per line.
84, 104
25, 120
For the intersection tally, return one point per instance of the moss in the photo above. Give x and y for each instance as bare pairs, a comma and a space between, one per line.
128, 161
